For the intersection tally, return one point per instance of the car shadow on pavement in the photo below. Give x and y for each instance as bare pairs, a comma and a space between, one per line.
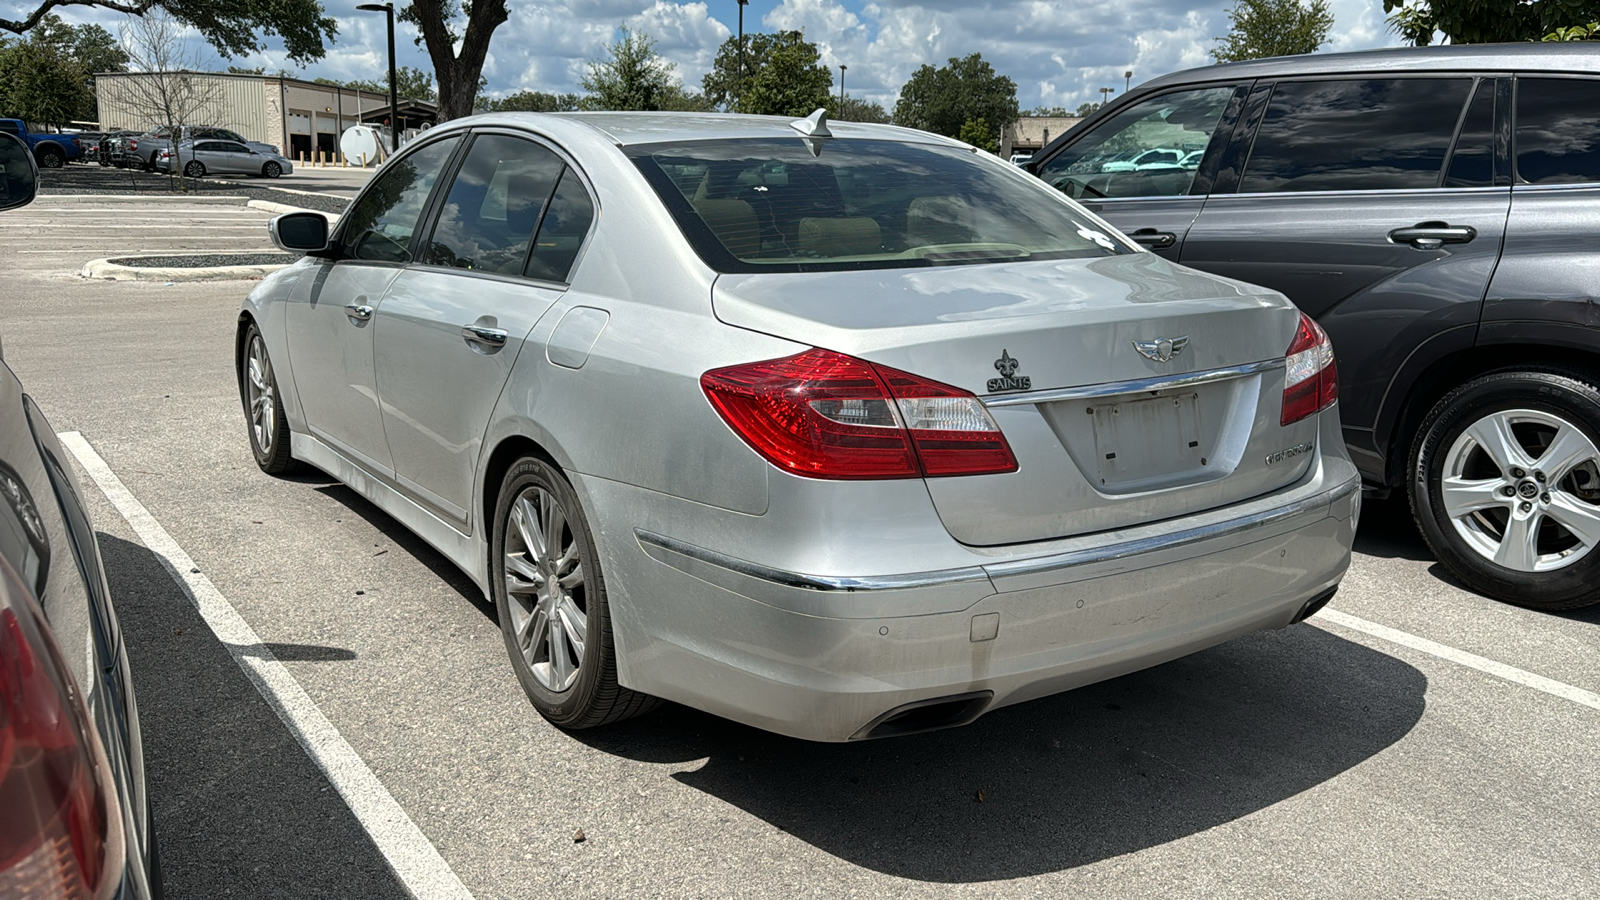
1387, 530
240, 809
1065, 781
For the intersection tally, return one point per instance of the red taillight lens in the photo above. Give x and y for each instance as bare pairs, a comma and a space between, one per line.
60, 832
1311, 376
133, 144
826, 415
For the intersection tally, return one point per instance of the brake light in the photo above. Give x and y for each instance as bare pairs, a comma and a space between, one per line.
61, 833
133, 143
827, 415
1310, 375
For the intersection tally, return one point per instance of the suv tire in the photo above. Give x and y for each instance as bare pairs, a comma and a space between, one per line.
1505, 486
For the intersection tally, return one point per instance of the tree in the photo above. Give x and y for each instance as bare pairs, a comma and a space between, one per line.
1274, 28
966, 90
783, 76
169, 91
1086, 109
1048, 111
1485, 21
458, 72
976, 132
854, 110
410, 84
531, 101
635, 77
233, 27
40, 83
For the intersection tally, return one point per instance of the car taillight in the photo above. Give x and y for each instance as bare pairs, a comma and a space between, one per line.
826, 415
1310, 376
61, 830
133, 143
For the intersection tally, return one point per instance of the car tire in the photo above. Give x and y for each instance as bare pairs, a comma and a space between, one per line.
51, 158
194, 168
263, 413
1484, 500
272, 170
542, 536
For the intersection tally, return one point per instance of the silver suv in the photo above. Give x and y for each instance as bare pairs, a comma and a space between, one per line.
1435, 210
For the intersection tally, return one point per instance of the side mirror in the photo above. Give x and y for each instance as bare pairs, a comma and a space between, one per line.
300, 232
19, 174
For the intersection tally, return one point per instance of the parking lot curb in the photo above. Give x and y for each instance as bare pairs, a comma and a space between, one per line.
273, 207
106, 270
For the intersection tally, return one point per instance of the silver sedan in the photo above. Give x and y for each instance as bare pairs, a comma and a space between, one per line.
842, 431
218, 157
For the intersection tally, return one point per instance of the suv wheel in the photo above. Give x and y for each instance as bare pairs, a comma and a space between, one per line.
1505, 486
551, 601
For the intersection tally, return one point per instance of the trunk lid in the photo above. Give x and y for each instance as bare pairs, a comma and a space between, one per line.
1104, 436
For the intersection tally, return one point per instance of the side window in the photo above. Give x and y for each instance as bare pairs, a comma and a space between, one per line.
488, 218
10, 127
1387, 134
562, 231
384, 219
1558, 135
1140, 152
1472, 162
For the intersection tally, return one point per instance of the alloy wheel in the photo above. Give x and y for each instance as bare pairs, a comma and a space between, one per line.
261, 395
1522, 488
544, 569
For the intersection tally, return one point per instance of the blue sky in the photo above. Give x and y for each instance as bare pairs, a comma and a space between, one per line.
1059, 53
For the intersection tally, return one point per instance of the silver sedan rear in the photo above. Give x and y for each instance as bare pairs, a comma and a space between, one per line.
843, 431
218, 157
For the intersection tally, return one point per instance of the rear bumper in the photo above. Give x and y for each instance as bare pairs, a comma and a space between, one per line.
828, 657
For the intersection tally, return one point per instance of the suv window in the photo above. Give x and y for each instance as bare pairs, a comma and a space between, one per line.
489, 217
10, 127
1140, 152
1558, 136
1376, 134
562, 231
384, 219
1472, 162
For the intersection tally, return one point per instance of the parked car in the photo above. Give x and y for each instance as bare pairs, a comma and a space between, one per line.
89, 144
146, 148
50, 151
1139, 161
201, 158
756, 440
1435, 210
1020, 159
76, 819
110, 147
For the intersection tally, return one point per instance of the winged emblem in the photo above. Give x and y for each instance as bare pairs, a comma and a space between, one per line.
1161, 349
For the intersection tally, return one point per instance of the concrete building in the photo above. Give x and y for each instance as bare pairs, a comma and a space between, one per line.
1029, 134
299, 117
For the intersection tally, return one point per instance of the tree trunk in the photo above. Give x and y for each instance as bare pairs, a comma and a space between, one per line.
458, 75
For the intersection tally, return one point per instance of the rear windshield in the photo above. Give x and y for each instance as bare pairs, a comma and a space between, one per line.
771, 206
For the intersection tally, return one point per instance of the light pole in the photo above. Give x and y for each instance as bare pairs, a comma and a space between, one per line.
742, 4
1105, 95
842, 67
394, 101
1127, 80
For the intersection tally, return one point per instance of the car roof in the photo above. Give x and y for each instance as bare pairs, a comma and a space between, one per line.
630, 128
1553, 56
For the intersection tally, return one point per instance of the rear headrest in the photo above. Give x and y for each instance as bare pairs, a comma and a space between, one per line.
734, 223
939, 220
840, 237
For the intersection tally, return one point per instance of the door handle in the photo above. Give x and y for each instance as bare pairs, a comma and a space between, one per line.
358, 311
489, 338
1155, 240
1433, 235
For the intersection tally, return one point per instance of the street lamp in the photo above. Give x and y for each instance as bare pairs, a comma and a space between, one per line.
1105, 95
842, 67
1127, 80
394, 101
742, 4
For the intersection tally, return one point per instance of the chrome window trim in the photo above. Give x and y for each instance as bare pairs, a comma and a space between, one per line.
653, 544
1367, 192
1134, 386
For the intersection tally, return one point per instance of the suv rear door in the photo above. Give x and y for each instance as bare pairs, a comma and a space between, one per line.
1151, 203
1378, 205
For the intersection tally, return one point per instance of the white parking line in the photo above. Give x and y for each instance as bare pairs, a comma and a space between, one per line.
409, 852
1462, 658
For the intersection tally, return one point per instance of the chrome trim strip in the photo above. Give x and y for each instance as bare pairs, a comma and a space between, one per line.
1135, 386
653, 543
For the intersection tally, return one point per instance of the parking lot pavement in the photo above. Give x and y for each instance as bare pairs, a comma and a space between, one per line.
1315, 761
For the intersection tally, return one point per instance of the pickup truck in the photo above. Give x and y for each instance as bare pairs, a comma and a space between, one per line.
50, 150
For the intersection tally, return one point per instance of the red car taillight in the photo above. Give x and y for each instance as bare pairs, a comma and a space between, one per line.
133, 143
61, 831
1310, 376
826, 415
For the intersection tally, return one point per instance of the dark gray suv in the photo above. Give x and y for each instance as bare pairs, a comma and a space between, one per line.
1437, 210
